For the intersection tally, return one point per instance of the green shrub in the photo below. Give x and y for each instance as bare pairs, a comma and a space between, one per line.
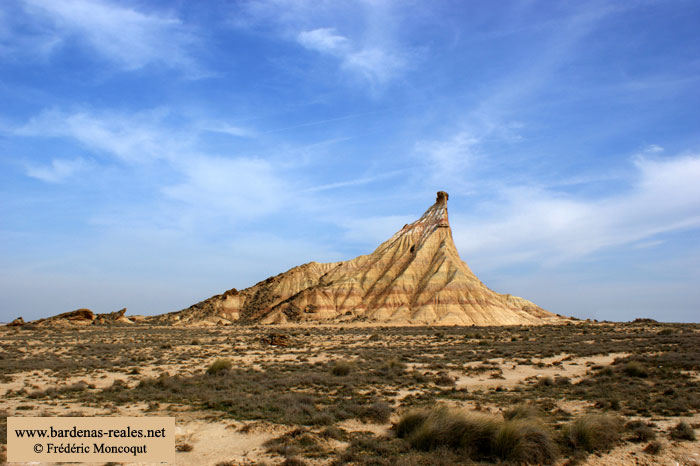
219, 366
593, 432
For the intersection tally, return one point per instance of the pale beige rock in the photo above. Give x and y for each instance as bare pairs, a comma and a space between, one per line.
415, 277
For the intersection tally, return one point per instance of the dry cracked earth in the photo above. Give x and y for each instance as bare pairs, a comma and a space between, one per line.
586, 393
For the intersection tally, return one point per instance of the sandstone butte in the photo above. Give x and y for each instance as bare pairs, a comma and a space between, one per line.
416, 277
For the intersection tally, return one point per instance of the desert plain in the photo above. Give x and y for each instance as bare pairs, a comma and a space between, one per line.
583, 392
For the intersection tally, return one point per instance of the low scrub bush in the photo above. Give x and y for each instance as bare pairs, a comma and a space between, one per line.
640, 431
635, 369
682, 431
342, 368
522, 411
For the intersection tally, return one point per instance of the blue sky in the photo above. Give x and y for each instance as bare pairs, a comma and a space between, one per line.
155, 153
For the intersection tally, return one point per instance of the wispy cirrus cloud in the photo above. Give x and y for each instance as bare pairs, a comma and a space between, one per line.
375, 64
131, 138
360, 37
197, 181
240, 187
446, 160
323, 40
526, 223
57, 171
124, 35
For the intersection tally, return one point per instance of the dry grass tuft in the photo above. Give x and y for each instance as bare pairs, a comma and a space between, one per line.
593, 432
522, 411
478, 436
342, 368
220, 366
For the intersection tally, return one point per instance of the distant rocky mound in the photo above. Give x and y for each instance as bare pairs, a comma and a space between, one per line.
415, 277
78, 317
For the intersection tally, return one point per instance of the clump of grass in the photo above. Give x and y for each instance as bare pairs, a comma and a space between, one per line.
593, 432
522, 411
333, 432
410, 422
342, 368
682, 431
525, 441
220, 366
378, 412
479, 436
183, 447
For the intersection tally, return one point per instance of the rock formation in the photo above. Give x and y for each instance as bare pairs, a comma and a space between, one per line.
84, 317
78, 317
415, 277
18, 322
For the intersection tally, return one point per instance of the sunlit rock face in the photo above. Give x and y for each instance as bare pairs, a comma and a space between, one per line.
415, 277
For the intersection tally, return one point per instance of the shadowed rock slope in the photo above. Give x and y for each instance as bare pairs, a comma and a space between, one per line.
415, 277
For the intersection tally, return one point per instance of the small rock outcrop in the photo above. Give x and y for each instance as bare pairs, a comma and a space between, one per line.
84, 317
81, 316
112, 317
18, 322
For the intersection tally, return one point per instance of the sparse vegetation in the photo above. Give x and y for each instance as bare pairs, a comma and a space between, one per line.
366, 374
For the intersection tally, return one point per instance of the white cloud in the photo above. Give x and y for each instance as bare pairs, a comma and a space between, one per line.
546, 226
373, 230
323, 40
363, 37
236, 187
231, 130
131, 138
449, 159
57, 171
130, 38
375, 64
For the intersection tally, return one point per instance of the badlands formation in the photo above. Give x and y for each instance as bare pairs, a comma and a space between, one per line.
416, 277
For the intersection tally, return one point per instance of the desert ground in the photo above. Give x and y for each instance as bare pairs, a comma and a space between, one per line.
584, 393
